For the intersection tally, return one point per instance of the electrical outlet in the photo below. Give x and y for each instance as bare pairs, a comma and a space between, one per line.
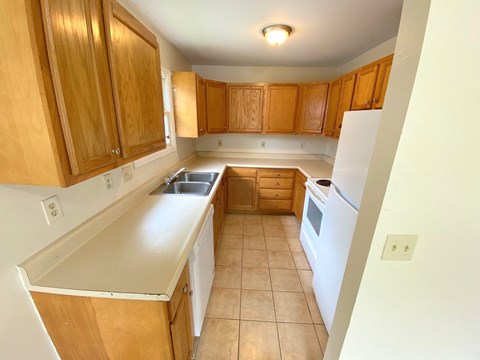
108, 181
52, 209
399, 247
263, 144
302, 144
127, 173
220, 143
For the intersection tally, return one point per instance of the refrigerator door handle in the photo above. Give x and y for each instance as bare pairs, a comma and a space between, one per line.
312, 191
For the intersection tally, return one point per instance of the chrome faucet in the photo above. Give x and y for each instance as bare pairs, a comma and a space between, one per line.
170, 178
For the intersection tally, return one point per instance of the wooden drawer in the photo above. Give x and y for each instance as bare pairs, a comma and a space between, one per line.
277, 173
280, 205
249, 172
177, 294
275, 194
272, 183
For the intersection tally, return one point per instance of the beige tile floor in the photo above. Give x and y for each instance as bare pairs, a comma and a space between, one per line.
262, 305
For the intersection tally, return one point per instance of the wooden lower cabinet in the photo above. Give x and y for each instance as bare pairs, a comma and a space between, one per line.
218, 202
275, 193
299, 195
103, 328
242, 189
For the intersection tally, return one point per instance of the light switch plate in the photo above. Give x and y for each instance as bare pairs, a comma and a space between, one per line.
127, 172
52, 209
399, 247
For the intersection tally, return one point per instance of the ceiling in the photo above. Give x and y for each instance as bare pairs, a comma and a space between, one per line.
228, 32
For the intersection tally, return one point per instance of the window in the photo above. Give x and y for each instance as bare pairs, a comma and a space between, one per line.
168, 118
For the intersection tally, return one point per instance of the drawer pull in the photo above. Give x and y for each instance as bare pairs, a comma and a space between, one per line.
276, 194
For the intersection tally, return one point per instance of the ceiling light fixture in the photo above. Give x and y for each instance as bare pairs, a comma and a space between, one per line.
276, 34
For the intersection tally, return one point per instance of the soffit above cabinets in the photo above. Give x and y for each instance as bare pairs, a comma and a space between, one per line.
228, 32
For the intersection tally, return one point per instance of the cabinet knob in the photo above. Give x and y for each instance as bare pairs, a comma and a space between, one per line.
278, 183
116, 151
375, 100
367, 102
185, 289
190, 292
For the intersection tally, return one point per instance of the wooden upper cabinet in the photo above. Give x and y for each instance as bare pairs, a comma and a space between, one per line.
190, 105
281, 108
77, 53
364, 87
332, 107
137, 83
382, 82
216, 94
312, 105
245, 107
345, 100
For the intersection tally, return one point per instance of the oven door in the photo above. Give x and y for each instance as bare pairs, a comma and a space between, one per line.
313, 213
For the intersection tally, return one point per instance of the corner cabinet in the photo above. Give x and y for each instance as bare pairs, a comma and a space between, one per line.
242, 189
104, 328
281, 108
82, 93
216, 94
190, 104
137, 83
312, 104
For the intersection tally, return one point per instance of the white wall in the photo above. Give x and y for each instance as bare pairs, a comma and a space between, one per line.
428, 308
254, 74
274, 144
382, 50
24, 231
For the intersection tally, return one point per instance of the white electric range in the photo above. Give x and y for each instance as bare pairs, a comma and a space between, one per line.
313, 212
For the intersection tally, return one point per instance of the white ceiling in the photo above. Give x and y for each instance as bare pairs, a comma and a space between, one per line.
228, 32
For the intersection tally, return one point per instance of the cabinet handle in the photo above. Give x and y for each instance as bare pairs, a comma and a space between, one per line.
375, 100
278, 183
116, 151
185, 289
278, 174
276, 194
190, 292
367, 102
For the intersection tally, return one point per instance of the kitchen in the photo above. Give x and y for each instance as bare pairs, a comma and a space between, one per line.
22, 334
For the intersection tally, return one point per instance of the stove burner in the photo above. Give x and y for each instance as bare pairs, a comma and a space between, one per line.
324, 182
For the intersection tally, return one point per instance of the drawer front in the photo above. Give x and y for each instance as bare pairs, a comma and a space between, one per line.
279, 205
247, 172
277, 173
275, 194
177, 294
272, 183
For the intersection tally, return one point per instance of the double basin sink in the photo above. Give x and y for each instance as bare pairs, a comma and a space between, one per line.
189, 183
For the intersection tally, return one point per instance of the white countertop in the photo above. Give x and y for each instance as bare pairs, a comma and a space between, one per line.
144, 250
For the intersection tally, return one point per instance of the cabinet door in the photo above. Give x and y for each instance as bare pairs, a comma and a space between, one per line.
281, 108
345, 101
201, 106
245, 108
216, 106
332, 107
77, 52
181, 328
382, 83
137, 83
364, 87
298, 199
313, 100
242, 193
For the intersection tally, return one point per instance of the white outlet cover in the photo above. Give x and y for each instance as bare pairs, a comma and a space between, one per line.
127, 173
399, 247
108, 181
52, 209
263, 144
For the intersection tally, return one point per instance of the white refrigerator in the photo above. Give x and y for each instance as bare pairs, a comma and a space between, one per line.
352, 161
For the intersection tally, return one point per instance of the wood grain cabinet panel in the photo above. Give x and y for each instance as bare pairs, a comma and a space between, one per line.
364, 87
281, 108
137, 83
216, 94
299, 191
332, 107
345, 100
382, 82
242, 193
190, 104
76, 44
245, 108
312, 105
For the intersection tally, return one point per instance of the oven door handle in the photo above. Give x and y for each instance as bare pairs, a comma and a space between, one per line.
311, 191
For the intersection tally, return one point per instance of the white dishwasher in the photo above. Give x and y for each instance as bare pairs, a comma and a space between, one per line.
202, 270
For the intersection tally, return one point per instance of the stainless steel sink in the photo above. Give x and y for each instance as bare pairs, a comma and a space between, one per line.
209, 177
190, 183
192, 188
